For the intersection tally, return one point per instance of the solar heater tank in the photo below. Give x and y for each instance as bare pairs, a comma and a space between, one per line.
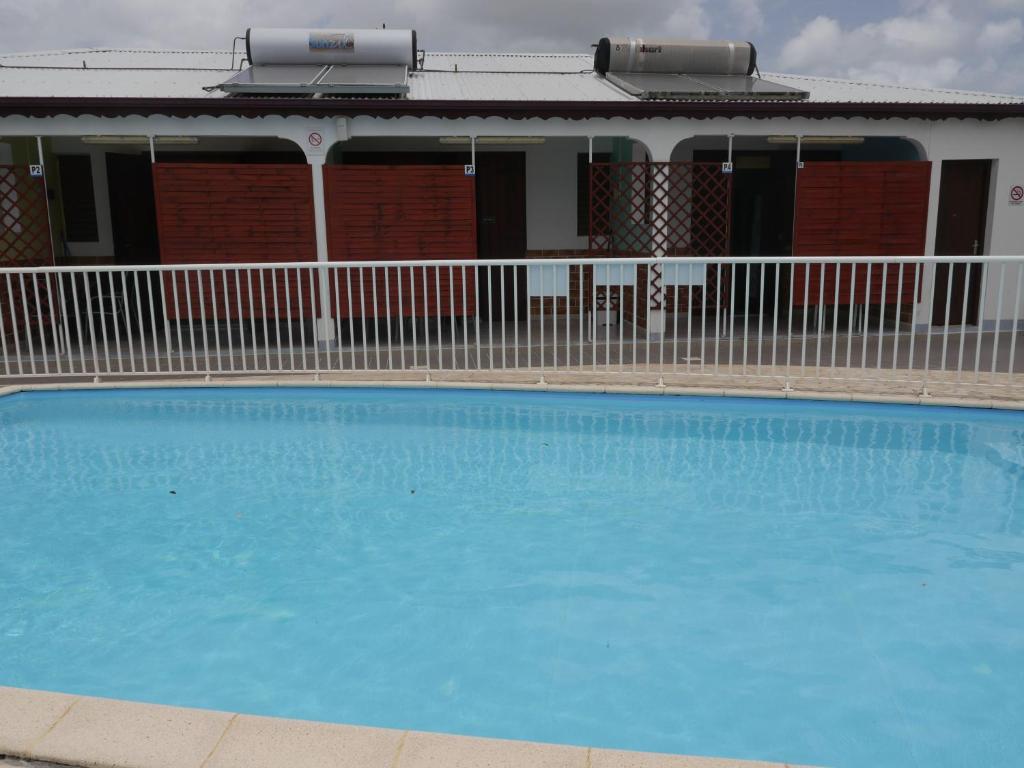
331, 46
667, 56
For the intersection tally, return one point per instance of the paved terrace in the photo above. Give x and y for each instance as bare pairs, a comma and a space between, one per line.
559, 352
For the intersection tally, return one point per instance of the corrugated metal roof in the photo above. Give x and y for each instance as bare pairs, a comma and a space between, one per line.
172, 74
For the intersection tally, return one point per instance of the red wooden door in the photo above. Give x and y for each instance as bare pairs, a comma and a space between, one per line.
402, 212
847, 208
228, 213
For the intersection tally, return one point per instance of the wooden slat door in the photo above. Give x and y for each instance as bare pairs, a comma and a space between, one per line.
846, 208
230, 213
402, 212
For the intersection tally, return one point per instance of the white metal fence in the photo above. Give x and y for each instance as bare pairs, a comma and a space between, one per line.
768, 319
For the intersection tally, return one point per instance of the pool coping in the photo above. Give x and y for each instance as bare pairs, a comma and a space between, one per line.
92, 732
302, 381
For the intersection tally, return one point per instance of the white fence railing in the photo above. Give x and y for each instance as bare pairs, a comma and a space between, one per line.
776, 319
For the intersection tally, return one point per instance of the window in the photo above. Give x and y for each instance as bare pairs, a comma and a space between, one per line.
78, 198
583, 189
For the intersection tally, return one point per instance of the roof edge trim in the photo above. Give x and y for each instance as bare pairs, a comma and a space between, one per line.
39, 106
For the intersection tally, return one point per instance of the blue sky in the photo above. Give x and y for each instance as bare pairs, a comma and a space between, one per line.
976, 44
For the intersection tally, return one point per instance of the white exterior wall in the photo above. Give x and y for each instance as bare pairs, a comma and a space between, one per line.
551, 194
551, 174
1003, 143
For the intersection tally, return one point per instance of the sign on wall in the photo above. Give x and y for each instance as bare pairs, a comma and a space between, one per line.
1016, 194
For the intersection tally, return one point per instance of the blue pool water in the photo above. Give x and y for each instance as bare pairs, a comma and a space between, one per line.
817, 583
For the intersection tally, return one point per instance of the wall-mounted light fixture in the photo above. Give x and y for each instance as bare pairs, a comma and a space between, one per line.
139, 140
816, 139
493, 139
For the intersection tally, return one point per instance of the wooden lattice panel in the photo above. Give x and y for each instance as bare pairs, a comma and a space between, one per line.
24, 242
24, 224
661, 209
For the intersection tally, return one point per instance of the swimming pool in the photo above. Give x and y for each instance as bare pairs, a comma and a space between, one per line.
821, 583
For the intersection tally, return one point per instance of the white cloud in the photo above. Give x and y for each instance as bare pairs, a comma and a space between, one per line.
1001, 34
689, 19
745, 18
814, 46
441, 24
930, 44
1007, 5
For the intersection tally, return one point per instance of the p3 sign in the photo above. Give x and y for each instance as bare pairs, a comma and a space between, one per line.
470, 170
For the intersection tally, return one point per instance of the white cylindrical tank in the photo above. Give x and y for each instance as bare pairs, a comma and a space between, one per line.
648, 54
331, 46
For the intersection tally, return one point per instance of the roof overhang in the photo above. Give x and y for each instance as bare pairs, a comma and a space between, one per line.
516, 110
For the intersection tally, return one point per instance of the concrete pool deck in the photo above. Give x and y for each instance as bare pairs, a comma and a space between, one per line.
39, 728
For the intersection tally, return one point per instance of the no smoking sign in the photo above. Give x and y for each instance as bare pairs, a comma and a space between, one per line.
315, 139
1016, 194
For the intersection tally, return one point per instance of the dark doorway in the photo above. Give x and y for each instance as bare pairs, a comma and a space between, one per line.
761, 224
501, 231
133, 225
963, 213
132, 209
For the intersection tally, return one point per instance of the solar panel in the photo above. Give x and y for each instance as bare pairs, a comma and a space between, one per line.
275, 78
646, 85
376, 79
336, 80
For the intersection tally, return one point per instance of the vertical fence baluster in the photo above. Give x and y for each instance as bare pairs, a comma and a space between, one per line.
819, 318
127, 321
945, 325
867, 314
191, 325
918, 273
401, 318
1000, 283
376, 318
277, 319
963, 321
352, 318
252, 319
314, 281
881, 317
108, 368
40, 323
263, 313
1016, 321
14, 326
981, 320
301, 316
851, 319
337, 316
438, 314
899, 313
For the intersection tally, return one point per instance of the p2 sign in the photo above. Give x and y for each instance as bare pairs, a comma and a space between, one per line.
35, 170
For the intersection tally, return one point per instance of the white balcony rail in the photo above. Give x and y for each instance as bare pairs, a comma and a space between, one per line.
759, 319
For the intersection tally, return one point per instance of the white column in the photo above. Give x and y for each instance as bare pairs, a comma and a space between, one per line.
324, 321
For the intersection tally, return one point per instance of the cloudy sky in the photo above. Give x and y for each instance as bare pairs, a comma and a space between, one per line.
952, 43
